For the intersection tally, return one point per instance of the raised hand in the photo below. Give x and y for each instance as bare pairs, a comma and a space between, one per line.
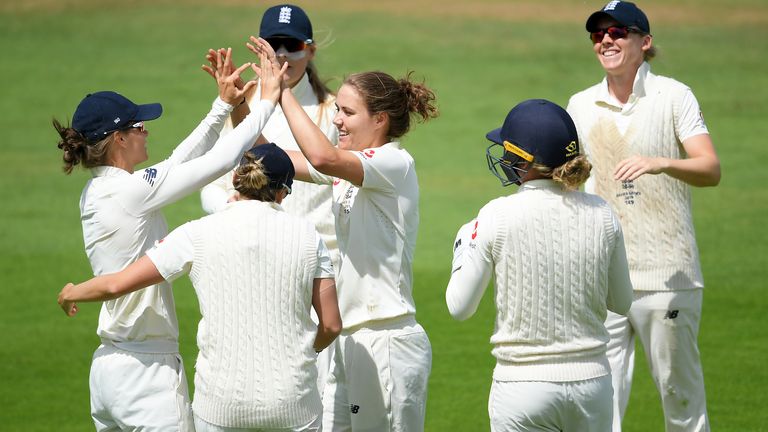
271, 74
232, 89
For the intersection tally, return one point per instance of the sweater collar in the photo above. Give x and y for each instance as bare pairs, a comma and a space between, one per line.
108, 171
302, 91
540, 184
638, 89
254, 204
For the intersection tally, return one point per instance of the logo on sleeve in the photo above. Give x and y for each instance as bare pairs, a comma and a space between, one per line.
368, 153
474, 230
149, 175
354, 409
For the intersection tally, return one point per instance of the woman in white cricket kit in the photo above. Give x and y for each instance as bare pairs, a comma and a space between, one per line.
257, 271
288, 30
137, 377
558, 259
382, 360
646, 137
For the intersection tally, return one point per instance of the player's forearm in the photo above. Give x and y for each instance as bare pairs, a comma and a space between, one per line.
326, 305
97, 289
314, 144
138, 275
699, 171
204, 136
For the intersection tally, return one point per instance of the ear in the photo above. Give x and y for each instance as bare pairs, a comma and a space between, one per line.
119, 138
380, 120
647, 42
311, 52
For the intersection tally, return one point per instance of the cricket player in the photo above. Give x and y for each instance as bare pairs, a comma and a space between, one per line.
256, 271
137, 377
648, 143
558, 258
382, 360
288, 29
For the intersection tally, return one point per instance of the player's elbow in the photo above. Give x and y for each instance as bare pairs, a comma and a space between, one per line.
714, 177
458, 311
112, 290
332, 329
711, 177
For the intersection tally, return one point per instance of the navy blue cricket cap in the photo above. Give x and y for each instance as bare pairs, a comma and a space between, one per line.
104, 112
541, 129
277, 164
624, 12
288, 21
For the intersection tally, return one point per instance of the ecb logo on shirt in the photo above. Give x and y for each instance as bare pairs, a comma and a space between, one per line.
369, 153
149, 175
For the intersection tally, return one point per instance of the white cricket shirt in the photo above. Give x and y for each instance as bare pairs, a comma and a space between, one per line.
121, 219
376, 227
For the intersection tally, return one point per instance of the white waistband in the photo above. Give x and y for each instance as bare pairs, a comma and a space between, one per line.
384, 324
152, 346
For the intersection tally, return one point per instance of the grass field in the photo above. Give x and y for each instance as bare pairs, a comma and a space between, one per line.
481, 58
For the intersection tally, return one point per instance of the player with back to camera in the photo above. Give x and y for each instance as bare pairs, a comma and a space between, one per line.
289, 31
647, 140
256, 271
558, 261
137, 378
382, 360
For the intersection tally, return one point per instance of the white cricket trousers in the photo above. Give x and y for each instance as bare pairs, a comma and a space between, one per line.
139, 391
573, 406
378, 379
203, 426
667, 324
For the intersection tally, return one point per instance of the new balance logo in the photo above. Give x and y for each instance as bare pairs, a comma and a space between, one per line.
671, 314
457, 244
149, 175
354, 408
285, 15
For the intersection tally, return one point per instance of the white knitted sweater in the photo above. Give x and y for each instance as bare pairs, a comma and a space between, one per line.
655, 210
256, 366
558, 261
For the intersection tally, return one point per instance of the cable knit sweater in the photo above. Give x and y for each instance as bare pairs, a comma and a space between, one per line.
655, 210
559, 262
256, 365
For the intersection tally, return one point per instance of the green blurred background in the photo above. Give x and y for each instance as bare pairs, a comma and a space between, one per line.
480, 58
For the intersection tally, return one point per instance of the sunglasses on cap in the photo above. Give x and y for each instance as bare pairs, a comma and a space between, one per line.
615, 32
137, 125
291, 45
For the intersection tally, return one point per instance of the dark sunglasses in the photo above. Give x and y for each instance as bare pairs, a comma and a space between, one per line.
615, 32
290, 44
